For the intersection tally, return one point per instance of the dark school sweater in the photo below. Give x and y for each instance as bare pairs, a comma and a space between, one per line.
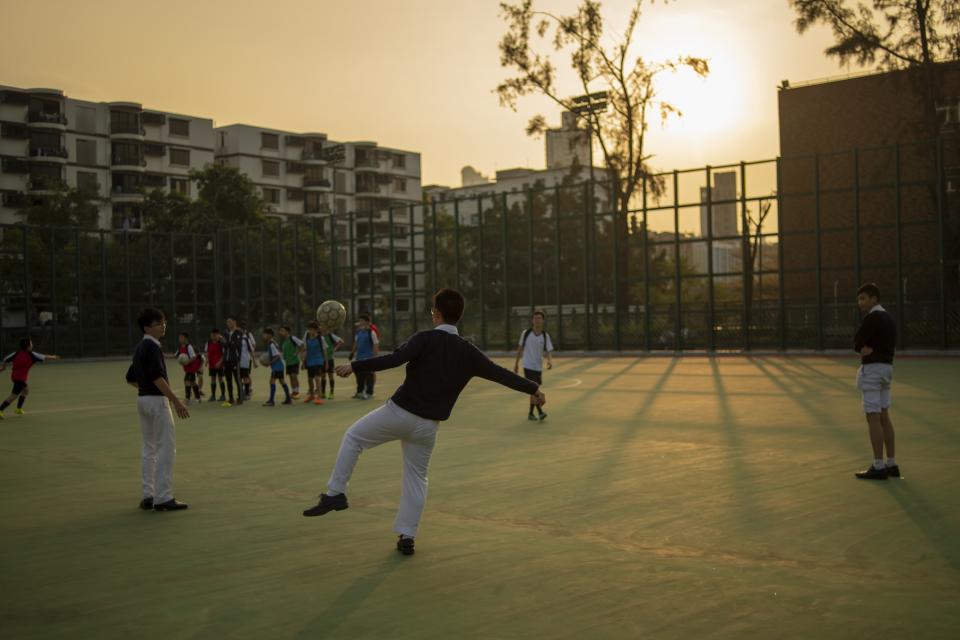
879, 332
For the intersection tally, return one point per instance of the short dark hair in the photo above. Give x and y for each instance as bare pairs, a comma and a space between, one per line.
232, 317
185, 334
365, 316
540, 313
268, 331
214, 330
450, 303
148, 316
870, 289
287, 328
314, 325
25, 343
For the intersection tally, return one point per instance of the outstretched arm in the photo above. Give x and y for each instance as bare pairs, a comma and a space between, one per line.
407, 352
488, 369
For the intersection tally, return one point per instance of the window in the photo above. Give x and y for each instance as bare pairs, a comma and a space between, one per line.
294, 195
340, 182
179, 127
400, 257
271, 168
126, 153
153, 119
400, 185
341, 205
154, 149
399, 161
399, 231
86, 152
271, 196
154, 180
403, 304
87, 181
180, 185
403, 280
269, 141
180, 157
125, 122
86, 119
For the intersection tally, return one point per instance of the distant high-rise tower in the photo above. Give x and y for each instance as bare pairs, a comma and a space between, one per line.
724, 214
568, 144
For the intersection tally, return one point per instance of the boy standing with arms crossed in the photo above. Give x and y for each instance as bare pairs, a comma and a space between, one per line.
292, 348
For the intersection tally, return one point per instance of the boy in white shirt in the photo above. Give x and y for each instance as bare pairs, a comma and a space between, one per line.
534, 343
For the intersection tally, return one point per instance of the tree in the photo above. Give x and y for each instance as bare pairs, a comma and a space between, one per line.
895, 33
225, 197
172, 211
65, 207
629, 83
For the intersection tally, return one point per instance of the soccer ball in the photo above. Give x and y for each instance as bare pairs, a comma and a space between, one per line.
183, 358
265, 359
330, 315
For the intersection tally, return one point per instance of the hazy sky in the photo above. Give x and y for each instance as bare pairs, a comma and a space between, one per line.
413, 74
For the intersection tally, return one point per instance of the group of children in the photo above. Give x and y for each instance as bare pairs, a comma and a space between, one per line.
231, 357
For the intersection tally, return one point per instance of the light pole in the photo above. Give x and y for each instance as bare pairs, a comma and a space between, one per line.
591, 104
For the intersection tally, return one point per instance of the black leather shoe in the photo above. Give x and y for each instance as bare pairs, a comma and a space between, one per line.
872, 473
327, 504
170, 505
894, 471
146, 504
405, 546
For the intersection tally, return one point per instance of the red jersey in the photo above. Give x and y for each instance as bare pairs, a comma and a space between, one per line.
193, 366
214, 354
373, 327
22, 361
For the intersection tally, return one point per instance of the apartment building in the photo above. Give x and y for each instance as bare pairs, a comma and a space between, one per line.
117, 150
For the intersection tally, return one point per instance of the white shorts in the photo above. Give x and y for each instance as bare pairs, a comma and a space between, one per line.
873, 380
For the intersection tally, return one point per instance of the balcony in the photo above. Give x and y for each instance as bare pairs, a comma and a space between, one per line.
46, 119
316, 183
313, 154
127, 130
46, 184
126, 193
14, 131
51, 154
13, 199
135, 163
14, 165
317, 207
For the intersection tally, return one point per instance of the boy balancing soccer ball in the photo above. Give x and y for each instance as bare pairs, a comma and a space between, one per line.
21, 362
441, 363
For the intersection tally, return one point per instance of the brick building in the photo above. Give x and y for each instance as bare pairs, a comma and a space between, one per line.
871, 168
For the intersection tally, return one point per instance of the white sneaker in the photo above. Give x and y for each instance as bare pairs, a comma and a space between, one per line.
365, 396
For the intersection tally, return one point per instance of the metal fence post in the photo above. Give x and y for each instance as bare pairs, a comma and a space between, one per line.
482, 283
816, 211
746, 273
711, 339
615, 228
506, 274
27, 292
433, 228
530, 278
393, 284
587, 312
373, 281
76, 236
556, 263
297, 314
351, 237
103, 294
782, 325
902, 330
856, 217
334, 276
678, 321
173, 284
646, 268
456, 242
53, 289
413, 269
941, 251
196, 300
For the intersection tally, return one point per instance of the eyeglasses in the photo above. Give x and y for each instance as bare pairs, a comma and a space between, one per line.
159, 324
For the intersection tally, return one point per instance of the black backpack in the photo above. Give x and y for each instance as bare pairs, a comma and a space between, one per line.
526, 334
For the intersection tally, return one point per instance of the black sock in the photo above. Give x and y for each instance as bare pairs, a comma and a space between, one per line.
222, 393
323, 386
20, 401
6, 403
331, 386
539, 410
186, 390
246, 388
531, 410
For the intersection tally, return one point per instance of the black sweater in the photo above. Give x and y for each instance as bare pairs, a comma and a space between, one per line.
440, 365
148, 365
879, 332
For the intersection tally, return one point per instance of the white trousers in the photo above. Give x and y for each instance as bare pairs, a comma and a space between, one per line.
159, 447
416, 435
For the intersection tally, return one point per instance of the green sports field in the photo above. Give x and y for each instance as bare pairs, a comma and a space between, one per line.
663, 498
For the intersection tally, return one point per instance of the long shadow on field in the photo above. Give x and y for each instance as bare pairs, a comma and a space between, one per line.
351, 599
608, 463
931, 522
806, 398
740, 479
